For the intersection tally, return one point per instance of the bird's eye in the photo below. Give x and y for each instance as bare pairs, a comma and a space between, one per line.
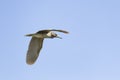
54, 35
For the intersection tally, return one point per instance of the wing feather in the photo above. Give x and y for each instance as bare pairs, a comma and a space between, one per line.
60, 31
33, 50
46, 31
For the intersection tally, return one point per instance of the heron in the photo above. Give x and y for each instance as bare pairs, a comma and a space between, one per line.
36, 43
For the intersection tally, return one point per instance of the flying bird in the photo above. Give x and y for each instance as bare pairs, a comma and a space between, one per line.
37, 41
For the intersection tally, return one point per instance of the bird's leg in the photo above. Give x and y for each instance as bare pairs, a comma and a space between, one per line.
59, 37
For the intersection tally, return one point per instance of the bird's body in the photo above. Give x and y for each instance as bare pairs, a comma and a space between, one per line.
37, 42
38, 35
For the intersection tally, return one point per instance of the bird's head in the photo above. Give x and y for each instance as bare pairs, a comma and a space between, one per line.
54, 35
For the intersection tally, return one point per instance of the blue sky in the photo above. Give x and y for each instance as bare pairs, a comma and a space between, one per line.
90, 52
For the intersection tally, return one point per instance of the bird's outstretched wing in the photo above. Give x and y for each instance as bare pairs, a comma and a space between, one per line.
46, 31
33, 50
60, 31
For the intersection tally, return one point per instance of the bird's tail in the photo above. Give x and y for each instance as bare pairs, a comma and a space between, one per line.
29, 34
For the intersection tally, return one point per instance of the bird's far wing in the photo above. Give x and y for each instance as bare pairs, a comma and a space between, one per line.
48, 30
60, 31
33, 50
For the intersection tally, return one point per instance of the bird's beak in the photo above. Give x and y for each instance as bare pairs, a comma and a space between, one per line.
59, 37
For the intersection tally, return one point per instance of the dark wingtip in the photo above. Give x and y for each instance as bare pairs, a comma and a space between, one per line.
30, 62
64, 31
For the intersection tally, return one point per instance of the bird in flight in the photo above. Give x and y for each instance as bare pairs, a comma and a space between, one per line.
37, 42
